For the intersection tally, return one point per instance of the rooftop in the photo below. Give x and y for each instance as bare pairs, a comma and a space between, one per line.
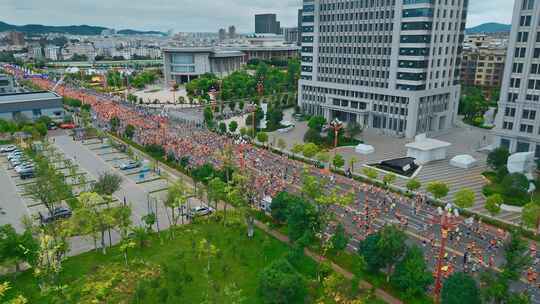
427, 144
27, 96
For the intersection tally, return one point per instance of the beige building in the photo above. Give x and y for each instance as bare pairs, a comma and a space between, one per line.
483, 66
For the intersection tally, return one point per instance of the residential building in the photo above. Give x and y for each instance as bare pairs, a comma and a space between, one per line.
517, 126
16, 38
483, 66
36, 52
388, 65
52, 52
31, 105
232, 32
267, 24
222, 33
180, 65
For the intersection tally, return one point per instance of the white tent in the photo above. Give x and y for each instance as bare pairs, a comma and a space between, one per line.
464, 161
364, 149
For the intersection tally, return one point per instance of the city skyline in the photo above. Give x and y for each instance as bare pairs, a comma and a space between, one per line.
197, 17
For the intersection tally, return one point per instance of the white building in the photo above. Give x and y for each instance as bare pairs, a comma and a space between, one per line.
518, 120
388, 65
52, 53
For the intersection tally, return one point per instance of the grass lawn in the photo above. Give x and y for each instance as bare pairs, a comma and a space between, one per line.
168, 271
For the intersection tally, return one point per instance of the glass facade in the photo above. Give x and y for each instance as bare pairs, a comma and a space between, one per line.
418, 12
182, 59
183, 69
414, 51
414, 26
417, 1
415, 39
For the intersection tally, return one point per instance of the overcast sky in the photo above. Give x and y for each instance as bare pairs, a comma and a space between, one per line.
188, 15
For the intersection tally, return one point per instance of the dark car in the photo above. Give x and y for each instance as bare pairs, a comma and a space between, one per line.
58, 213
27, 173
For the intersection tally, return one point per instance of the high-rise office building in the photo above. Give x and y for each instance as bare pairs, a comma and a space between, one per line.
232, 32
517, 126
299, 25
390, 65
267, 24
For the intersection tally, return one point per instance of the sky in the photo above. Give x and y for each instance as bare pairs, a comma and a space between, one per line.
188, 15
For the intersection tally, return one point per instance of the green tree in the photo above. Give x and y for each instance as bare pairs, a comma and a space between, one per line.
389, 179
460, 288
464, 198
177, 198
222, 127
316, 123
530, 216
515, 184
438, 189
493, 204
309, 150
297, 148
115, 124
498, 158
302, 219
107, 183
391, 247
279, 283
17, 248
313, 136
323, 157
233, 125
369, 251
279, 206
129, 131
338, 161
208, 117
339, 238
262, 137
371, 173
412, 275
413, 185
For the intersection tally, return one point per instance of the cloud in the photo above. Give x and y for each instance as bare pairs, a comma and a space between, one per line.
188, 15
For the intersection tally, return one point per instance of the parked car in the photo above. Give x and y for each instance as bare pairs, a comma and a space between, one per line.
132, 164
58, 213
17, 162
8, 149
67, 126
27, 173
14, 154
52, 126
201, 211
24, 166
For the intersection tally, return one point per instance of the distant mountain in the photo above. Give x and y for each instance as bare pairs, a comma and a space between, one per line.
489, 28
70, 29
134, 32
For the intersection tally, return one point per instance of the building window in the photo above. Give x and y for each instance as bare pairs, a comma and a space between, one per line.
525, 128
529, 114
508, 125
522, 147
527, 4
36, 113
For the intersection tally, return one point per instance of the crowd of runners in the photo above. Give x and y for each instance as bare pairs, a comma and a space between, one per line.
472, 245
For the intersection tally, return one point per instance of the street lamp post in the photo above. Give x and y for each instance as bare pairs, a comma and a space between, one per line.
336, 125
448, 222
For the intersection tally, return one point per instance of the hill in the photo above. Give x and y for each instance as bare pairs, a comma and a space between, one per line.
70, 29
489, 28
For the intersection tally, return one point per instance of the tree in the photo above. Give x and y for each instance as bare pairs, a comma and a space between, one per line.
438, 189
515, 184
217, 191
339, 238
279, 206
493, 204
309, 150
323, 157
302, 219
115, 124
92, 217
412, 275
391, 247
208, 117
530, 216
316, 123
369, 251
464, 198
460, 288
177, 197
107, 183
17, 248
297, 148
279, 283
413, 185
389, 179
498, 158
338, 161
233, 125
313, 136
222, 127
262, 137
371, 173
129, 131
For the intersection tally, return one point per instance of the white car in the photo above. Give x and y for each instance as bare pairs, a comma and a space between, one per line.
13, 155
8, 149
201, 211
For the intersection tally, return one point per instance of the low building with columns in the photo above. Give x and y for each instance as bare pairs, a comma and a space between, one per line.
182, 64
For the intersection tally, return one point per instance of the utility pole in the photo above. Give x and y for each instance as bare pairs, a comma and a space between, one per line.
448, 221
